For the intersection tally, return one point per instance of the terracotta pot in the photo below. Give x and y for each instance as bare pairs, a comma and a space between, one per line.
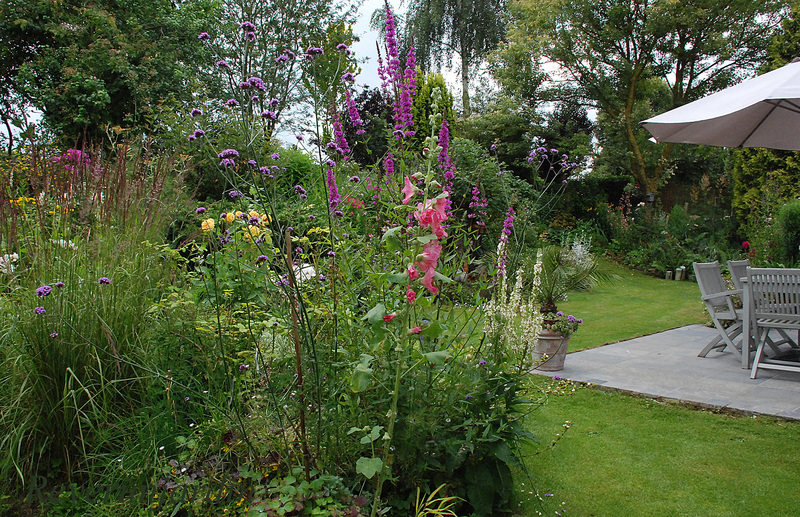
550, 350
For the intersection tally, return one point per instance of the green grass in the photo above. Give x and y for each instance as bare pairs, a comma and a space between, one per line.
636, 457
633, 305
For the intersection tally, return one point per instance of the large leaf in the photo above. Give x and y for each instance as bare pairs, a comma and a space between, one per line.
376, 314
369, 466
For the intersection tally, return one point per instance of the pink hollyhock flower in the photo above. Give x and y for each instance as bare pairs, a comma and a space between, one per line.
416, 330
411, 296
389, 317
427, 281
429, 256
413, 274
409, 190
431, 214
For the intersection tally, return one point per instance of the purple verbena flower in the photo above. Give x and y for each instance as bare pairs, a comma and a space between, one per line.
44, 290
247, 26
104, 280
231, 103
275, 156
229, 153
39, 310
227, 162
199, 133
196, 112
200, 210
203, 36
223, 64
59, 284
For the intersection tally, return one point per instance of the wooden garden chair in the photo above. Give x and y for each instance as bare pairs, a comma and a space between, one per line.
719, 303
773, 300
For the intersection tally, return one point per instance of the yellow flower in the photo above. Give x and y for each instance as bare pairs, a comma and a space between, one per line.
255, 231
238, 214
207, 225
229, 217
253, 213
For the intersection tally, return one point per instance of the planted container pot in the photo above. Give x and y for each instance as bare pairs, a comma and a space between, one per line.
550, 350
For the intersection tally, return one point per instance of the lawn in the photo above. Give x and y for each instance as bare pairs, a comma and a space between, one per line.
624, 455
631, 305
633, 456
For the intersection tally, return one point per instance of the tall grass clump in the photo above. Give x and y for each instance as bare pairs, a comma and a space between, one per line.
76, 309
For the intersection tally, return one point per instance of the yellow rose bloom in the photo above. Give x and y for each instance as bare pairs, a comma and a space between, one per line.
229, 217
207, 225
255, 231
253, 213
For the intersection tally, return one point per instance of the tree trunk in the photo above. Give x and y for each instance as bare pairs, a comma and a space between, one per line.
465, 85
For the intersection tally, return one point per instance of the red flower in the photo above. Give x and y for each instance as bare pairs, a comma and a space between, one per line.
411, 296
745, 244
389, 317
416, 330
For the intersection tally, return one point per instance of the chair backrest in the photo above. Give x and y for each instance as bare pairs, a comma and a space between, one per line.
709, 279
738, 269
774, 292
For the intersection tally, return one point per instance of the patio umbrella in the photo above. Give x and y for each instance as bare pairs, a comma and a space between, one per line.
760, 112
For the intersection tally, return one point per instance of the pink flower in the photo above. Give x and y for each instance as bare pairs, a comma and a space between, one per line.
416, 330
411, 296
409, 190
430, 256
389, 317
745, 244
431, 214
427, 281
413, 274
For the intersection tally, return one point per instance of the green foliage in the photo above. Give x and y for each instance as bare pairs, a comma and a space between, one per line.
470, 29
89, 67
422, 106
788, 222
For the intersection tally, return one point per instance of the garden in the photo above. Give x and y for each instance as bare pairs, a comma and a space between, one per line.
286, 296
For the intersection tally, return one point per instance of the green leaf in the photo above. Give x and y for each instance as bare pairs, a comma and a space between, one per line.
397, 278
369, 466
434, 330
390, 239
376, 314
362, 374
438, 358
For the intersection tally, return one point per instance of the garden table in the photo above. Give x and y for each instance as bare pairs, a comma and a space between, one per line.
771, 302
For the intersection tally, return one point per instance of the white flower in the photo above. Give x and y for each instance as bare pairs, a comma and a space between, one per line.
7, 263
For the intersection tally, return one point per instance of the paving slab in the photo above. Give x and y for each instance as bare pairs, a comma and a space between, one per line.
665, 365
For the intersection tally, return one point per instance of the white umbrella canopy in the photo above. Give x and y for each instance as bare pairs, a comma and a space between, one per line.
760, 112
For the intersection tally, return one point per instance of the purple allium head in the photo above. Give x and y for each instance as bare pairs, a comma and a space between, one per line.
203, 36
247, 26
196, 112
43, 290
223, 64
199, 133
231, 103
200, 210
59, 284
39, 310
103, 280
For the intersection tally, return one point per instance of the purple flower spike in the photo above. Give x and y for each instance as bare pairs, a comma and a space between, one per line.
103, 280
